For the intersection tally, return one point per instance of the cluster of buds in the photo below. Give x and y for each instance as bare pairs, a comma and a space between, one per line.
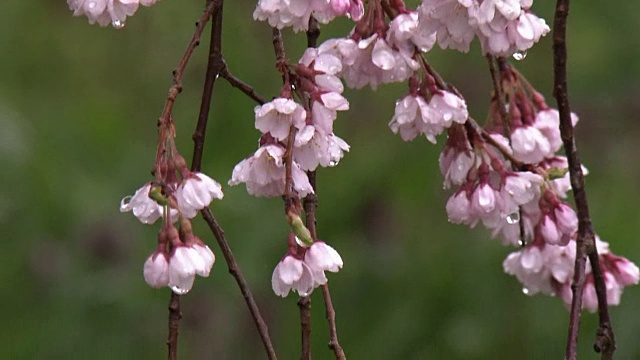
175, 195
307, 131
297, 13
302, 267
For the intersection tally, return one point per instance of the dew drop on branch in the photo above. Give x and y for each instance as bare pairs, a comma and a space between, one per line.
525, 291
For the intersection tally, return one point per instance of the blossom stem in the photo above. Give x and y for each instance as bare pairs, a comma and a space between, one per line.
585, 242
174, 323
304, 303
215, 65
235, 271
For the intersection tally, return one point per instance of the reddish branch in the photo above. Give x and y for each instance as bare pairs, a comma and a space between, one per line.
165, 118
235, 271
585, 243
304, 303
174, 323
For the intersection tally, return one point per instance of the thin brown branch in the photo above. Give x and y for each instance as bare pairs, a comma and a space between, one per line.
278, 46
585, 242
235, 271
176, 87
500, 95
174, 323
242, 86
331, 319
215, 64
304, 303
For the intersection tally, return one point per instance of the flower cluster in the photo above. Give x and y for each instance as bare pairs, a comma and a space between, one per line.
513, 185
283, 121
427, 110
503, 27
105, 12
180, 255
302, 268
296, 13
549, 270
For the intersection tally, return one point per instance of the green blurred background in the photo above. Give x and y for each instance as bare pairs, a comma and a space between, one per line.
78, 107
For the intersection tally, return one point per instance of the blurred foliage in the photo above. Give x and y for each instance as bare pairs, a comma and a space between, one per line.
78, 106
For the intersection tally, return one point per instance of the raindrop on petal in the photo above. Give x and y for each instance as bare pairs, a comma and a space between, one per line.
519, 55
117, 24
513, 218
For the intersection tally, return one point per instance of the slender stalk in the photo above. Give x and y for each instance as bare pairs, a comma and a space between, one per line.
174, 323
235, 271
304, 303
585, 242
215, 66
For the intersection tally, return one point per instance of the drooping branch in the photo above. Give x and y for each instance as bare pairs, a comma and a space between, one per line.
304, 303
585, 242
235, 271
215, 67
174, 324
176, 87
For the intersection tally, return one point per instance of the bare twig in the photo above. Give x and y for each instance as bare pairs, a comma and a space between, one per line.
585, 242
176, 87
242, 86
215, 64
174, 323
235, 271
331, 319
304, 303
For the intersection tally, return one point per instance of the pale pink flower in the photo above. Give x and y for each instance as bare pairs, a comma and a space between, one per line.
449, 20
156, 270
403, 33
528, 266
458, 209
143, 207
182, 270
455, 165
282, 13
530, 145
264, 173
292, 273
195, 193
277, 117
321, 257
105, 12
484, 200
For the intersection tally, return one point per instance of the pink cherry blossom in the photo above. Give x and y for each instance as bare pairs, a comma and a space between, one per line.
105, 12
290, 274
195, 193
156, 270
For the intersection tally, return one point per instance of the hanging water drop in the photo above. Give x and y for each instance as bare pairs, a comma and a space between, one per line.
519, 55
118, 24
522, 243
333, 163
178, 290
525, 291
513, 218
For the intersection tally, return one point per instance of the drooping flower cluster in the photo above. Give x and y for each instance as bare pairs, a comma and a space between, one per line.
427, 110
296, 13
503, 27
302, 268
105, 12
175, 195
549, 270
513, 186
313, 141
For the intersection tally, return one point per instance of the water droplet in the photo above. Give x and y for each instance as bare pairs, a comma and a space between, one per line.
333, 163
522, 243
118, 24
519, 55
525, 291
178, 290
513, 218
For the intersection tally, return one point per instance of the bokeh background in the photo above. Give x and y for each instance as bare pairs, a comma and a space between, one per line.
78, 107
